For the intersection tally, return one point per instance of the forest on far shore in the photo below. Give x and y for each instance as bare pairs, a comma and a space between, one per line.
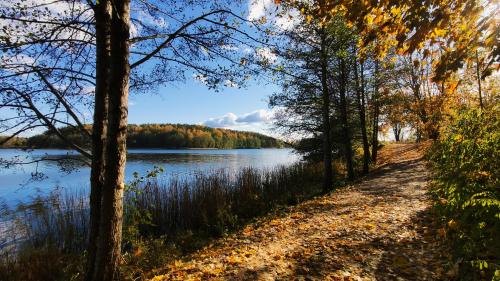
158, 136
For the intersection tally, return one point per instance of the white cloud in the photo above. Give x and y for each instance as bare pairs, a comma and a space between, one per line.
59, 8
147, 18
255, 119
246, 50
225, 121
288, 19
259, 8
18, 59
258, 116
134, 32
266, 55
283, 19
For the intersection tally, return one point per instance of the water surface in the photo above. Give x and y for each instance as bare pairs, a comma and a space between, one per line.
21, 182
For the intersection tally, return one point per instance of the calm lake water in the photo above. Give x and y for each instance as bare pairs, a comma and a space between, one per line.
17, 184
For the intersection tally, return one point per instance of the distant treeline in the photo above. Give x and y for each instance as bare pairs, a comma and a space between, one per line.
12, 142
162, 136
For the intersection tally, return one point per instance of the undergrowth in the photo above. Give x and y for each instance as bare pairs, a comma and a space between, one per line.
466, 189
46, 239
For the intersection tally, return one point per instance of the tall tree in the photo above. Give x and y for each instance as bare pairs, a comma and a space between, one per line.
359, 78
343, 79
110, 228
102, 11
316, 91
375, 111
48, 71
325, 110
305, 102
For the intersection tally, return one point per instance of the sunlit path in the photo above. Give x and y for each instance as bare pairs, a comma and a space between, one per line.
379, 229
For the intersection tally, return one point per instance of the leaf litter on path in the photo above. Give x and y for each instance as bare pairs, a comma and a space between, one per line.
378, 229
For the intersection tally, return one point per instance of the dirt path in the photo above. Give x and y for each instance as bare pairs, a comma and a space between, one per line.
379, 229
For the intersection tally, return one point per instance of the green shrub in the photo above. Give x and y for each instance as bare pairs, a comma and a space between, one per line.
466, 163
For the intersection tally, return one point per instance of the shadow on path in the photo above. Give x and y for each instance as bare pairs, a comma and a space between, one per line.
379, 229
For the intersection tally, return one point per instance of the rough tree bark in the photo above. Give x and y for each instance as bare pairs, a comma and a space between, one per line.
346, 137
376, 113
325, 95
110, 231
102, 12
360, 99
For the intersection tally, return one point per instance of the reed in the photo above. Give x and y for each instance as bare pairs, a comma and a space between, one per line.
46, 239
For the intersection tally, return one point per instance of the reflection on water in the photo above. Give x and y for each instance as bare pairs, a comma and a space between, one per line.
16, 181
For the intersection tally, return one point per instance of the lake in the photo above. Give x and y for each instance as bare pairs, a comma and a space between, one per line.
17, 183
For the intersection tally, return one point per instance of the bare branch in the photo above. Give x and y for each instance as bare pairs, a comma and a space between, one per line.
173, 36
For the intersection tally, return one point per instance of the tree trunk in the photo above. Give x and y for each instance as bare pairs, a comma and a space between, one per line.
344, 118
397, 132
110, 231
327, 143
478, 74
376, 113
103, 48
360, 100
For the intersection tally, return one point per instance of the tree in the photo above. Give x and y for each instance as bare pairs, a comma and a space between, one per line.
325, 110
375, 111
413, 78
458, 26
342, 71
108, 248
316, 96
359, 78
55, 53
305, 101
396, 113
102, 11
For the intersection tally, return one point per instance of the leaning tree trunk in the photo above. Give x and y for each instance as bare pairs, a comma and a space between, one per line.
110, 231
360, 99
344, 118
376, 113
327, 142
103, 49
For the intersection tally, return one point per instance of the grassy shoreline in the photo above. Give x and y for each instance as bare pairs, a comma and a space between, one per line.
162, 221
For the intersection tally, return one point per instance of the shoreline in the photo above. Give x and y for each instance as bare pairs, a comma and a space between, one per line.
151, 148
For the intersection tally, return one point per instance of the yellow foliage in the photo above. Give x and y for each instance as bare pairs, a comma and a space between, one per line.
452, 224
309, 18
437, 32
159, 277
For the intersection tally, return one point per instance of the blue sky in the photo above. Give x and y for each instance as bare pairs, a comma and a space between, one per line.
193, 103
189, 101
